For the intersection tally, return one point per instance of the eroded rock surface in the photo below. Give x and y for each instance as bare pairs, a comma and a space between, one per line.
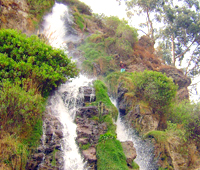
129, 151
48, 155
15, 14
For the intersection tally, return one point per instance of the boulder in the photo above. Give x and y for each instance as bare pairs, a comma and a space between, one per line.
177, 75
14, 14
90, 155
129, 151
88, 112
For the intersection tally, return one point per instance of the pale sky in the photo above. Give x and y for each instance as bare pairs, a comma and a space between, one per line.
108, 7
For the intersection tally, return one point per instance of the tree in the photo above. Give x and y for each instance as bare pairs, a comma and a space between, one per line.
146, 7
181, 23
181, 28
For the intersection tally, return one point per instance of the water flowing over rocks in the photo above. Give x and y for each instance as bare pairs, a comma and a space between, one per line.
146, 120
89, 129
48, 155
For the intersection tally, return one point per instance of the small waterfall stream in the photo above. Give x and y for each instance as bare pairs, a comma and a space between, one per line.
67, 99
144, 148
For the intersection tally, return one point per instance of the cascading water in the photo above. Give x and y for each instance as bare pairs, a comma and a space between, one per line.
66, 100
144, 149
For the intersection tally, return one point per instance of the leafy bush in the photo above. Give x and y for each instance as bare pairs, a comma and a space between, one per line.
30, 58
155, 87
187, 114
106, 136
152, 87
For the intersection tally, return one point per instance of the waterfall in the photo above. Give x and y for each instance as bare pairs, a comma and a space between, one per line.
67, 99
144, 148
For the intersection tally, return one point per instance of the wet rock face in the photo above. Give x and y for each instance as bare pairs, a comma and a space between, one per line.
178, 78
89, 93
129, 151
122, 104
88, 132
14, 14
143, 117
48, 155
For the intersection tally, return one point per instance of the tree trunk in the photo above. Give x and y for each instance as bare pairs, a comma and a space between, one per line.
173, 51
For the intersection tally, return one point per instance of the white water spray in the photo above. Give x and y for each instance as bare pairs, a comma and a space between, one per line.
144, 149
65, 101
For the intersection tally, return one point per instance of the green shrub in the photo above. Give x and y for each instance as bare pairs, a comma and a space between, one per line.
30, 59
38, 7
152, 87
102, 96
155, 87
186, 114
79, 20
159, 136
106, 136
19, 109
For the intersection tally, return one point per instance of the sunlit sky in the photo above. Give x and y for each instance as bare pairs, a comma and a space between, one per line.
112, 8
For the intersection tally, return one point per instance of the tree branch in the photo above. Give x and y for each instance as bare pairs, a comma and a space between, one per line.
186, 49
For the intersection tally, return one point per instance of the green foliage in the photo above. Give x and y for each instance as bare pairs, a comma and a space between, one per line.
118, 38
34, 137
106, 136
38, 7
79, 20
159, 136
155, 87
81, 6
135, 166
110, 154
84, 147
186, 114
102, 96
26, 58
19, 109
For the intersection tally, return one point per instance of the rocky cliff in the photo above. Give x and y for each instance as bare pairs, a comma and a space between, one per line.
15, 14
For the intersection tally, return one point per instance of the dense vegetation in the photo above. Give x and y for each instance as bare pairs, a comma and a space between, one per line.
38, 9
110, 153
101, 48
29, 71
